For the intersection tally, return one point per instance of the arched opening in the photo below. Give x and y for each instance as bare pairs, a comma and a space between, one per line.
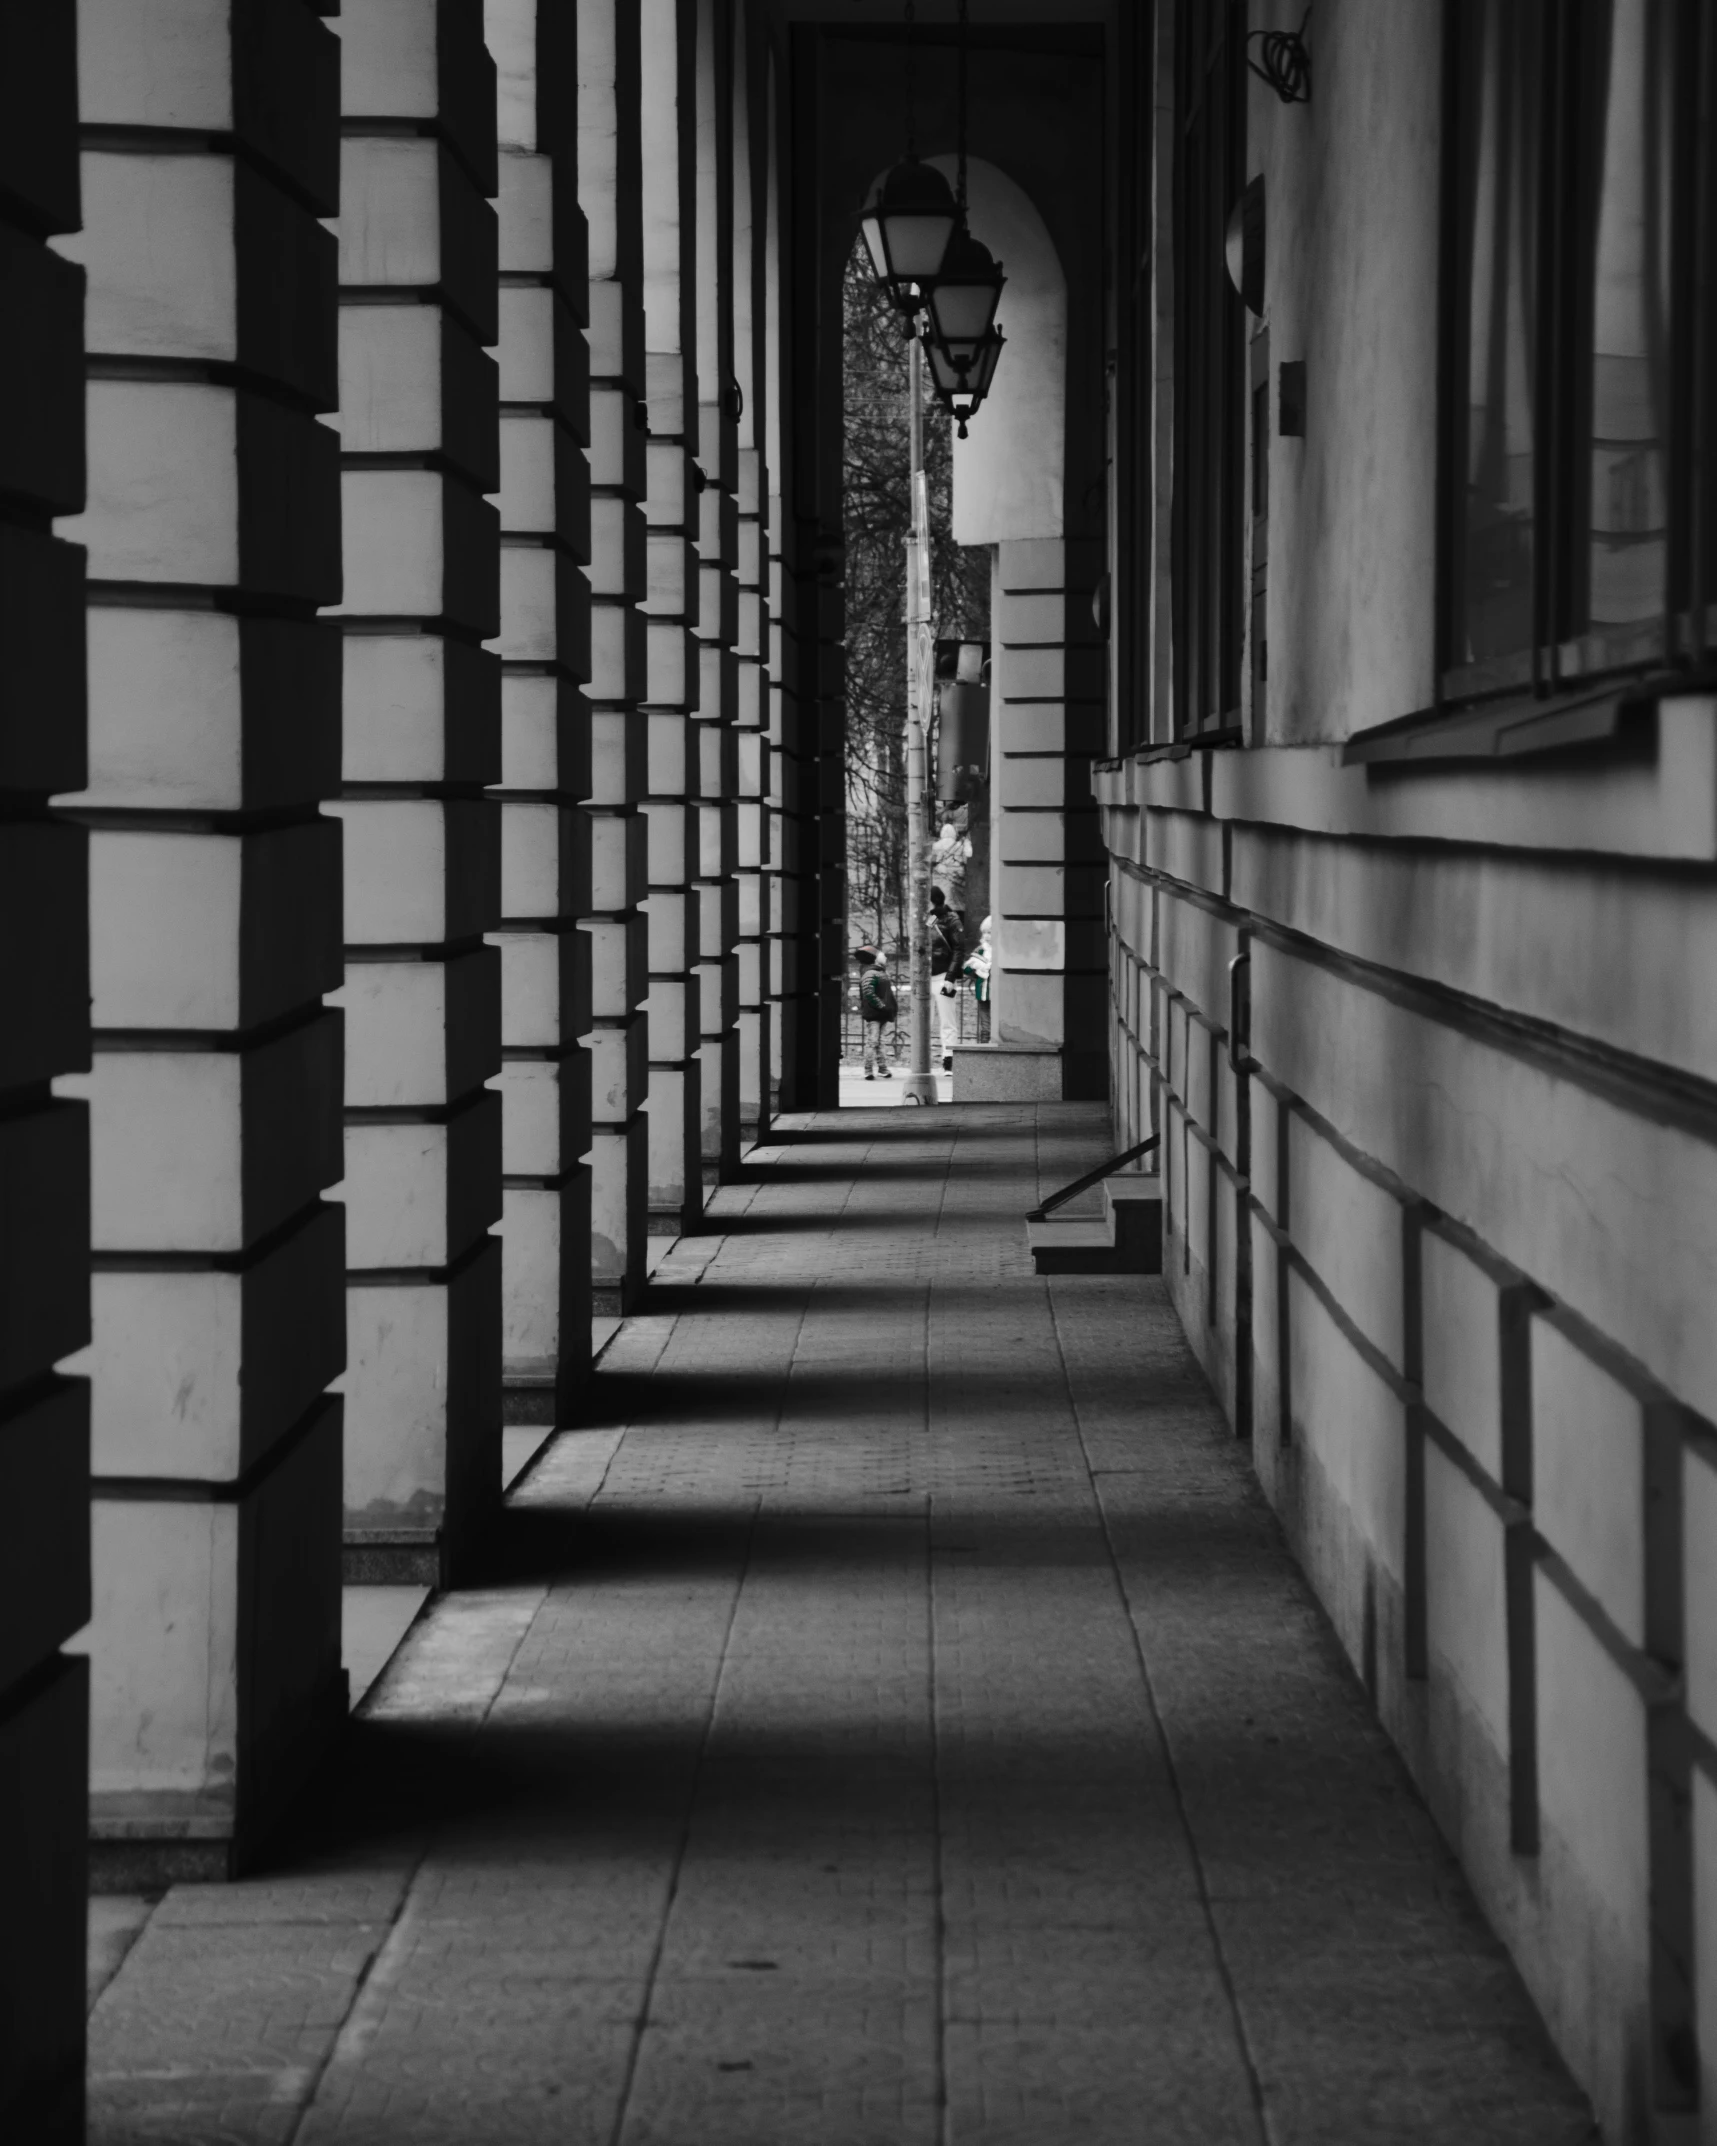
876, 515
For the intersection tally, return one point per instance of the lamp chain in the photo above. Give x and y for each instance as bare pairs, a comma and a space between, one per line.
911, 81
960, 186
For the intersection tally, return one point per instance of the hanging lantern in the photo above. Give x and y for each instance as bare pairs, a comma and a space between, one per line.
959, 329
907, 224
965, 294
961, 374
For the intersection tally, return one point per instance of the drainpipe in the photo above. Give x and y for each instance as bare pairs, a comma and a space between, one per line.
920, 1082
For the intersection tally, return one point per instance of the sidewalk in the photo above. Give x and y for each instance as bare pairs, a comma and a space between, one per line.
899, 1725
857, 1093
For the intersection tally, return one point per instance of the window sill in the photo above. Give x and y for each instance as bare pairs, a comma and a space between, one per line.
1176, 749
1608, 721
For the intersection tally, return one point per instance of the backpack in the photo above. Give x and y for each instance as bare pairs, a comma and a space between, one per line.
876, 996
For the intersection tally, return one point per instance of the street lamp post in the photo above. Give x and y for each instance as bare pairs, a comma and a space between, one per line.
920, 1081
916, 232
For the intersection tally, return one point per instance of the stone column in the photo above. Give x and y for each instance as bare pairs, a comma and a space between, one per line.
44, 1143
828, 885
610, 191
718, 601
545, 718
1046, 878
672, 671
751, 642
210, 152
786, 905
418, 428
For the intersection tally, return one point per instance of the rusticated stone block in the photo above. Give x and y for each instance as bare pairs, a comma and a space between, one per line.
545, 482
421, 1034
421, 1194
419, 870
420, 709
208, 1151
215, 1646
545, 1267
413, 381
544, 358
545, 987
201, 257
616, 756
539, 856
618, 547
208, 484
618, 652
545, 735
268, 72
423, 1401
412, 220
426, 62
198, 1374
207, 931
617, 438
617, 861
202, 711
547, 1109
545, 608
618, 966
542, 228
619, 1061
421, 545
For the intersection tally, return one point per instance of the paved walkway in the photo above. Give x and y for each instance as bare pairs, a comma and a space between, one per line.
899, 1725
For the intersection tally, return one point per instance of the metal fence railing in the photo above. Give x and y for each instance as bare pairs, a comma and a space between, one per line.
974, 1027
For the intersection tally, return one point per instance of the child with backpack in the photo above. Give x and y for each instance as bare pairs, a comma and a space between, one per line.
878, 1007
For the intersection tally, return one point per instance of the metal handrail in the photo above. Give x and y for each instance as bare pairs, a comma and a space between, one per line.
1091, 1177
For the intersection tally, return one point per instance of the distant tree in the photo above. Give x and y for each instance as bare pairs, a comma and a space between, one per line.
877, 517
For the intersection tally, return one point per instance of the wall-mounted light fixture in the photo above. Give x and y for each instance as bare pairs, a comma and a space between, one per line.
1243, 246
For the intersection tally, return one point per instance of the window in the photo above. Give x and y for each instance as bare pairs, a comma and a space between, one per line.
1576, 532
1210, 496
1131, 383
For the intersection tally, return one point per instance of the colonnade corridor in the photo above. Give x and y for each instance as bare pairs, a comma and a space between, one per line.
895, 1718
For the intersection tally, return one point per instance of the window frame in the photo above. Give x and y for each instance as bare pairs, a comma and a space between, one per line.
1210, 505
1566, 653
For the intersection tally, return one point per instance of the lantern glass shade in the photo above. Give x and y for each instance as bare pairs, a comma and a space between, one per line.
907, 223
962, 386
949, 379
964, 298
983, 368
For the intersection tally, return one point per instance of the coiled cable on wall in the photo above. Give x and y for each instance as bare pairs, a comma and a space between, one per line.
1283, 62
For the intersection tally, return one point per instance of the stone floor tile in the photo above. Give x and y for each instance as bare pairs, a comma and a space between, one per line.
898, 1722
116, 1921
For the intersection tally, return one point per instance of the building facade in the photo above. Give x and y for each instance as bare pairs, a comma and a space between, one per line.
421, 784
1409, 814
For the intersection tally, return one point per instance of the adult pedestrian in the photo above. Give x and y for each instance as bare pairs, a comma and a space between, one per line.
947, 968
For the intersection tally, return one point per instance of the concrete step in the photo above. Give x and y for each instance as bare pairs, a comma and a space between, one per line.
1133, 1202
1059, 1247
1128, 1240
